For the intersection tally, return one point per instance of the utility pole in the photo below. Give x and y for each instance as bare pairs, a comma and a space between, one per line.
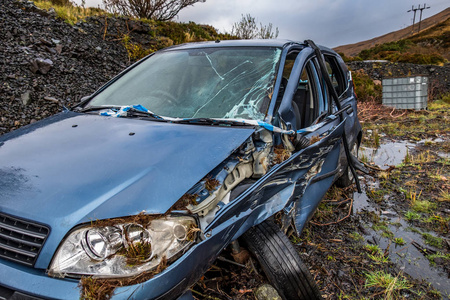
414, 19
421, 9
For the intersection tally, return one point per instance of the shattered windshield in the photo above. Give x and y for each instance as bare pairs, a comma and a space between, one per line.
234, 83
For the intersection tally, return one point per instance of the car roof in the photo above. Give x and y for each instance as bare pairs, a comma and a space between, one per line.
277, 43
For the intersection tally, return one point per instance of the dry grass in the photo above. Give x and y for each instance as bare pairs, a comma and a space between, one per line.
70, 13
280, 154
137, 253
101, 289
95, 289
444, 196
372, 111
142, 219
211, 184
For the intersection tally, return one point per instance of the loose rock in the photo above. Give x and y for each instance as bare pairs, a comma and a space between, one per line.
26, 99
267, 292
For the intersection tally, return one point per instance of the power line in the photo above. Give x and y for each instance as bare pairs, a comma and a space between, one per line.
421, 9
414, 19
415, 10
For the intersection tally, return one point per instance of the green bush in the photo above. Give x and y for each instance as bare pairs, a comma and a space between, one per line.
189, 32
401, 51
423, 59
365, 87
446, 98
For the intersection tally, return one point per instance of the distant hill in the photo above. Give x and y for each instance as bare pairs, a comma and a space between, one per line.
355, 49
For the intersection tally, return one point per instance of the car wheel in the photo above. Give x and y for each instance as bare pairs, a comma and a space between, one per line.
347, 178
281, 262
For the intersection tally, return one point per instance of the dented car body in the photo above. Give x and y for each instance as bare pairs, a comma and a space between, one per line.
179, 155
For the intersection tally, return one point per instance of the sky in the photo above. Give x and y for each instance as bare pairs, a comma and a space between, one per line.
328, 22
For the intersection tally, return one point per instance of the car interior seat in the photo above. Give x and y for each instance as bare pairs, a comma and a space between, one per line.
301, 99
295, 106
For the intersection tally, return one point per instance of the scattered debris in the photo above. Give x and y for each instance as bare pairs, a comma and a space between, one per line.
137, 253
315, 139
280, 154
192, 232
93, 288
211, 184
102, 289
142, 218
189, 199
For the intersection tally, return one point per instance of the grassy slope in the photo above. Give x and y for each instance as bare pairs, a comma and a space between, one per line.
354, 49
431, 46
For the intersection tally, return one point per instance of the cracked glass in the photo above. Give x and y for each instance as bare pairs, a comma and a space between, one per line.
230, 83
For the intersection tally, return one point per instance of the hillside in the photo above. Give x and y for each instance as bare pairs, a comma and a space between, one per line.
355, 49
139, 36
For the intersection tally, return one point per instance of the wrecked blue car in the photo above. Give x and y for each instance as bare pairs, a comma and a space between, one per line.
141, 186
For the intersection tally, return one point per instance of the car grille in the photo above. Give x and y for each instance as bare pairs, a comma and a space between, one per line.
21, 240
9, 294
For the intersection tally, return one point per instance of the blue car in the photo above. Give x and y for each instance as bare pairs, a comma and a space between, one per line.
134, 192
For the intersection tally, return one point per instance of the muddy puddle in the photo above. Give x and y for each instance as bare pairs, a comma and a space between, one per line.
388, 154
407, 257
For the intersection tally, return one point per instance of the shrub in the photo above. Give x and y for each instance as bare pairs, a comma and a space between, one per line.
405, 51
365, 87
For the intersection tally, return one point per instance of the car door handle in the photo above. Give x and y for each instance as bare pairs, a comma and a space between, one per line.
345, 108
349, 110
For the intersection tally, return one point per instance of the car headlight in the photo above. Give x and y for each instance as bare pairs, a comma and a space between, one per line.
123, 250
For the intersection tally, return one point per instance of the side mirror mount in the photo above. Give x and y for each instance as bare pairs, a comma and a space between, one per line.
83, 100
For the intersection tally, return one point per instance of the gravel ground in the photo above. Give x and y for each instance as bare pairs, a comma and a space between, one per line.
43, 60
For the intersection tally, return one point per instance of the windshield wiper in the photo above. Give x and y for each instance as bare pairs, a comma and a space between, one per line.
133, 112
124, 111
209, 121
94, 108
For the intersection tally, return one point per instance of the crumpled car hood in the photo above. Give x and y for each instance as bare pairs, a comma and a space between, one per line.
75, 168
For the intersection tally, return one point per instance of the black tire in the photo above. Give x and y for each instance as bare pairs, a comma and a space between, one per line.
347, 178
281, 262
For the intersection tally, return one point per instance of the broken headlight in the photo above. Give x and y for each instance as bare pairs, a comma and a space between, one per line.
125, 249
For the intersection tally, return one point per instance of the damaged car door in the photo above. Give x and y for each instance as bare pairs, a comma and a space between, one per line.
307, 165
299, 182
306, 106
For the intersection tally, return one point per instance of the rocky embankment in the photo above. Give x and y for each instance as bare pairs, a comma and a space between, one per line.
439, 76
44, 61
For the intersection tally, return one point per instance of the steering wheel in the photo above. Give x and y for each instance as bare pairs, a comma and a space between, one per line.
164, 95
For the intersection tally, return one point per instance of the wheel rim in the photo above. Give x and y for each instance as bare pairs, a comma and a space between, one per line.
354, 152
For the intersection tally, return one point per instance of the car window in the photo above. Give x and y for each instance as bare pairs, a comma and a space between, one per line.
320, 101
289, 64
336, 75
199, 83
308, 96
287, 69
